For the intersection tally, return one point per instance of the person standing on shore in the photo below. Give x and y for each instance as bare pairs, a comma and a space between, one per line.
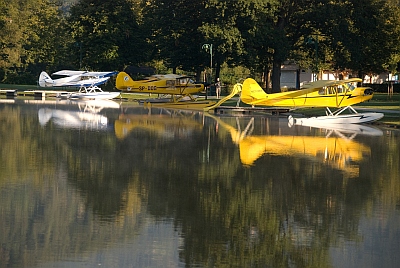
218, 88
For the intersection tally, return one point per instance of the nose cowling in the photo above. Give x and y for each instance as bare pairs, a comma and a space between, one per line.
368, 91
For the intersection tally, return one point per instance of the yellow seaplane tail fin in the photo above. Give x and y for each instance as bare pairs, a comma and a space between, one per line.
123, 81
252, 92
236, 89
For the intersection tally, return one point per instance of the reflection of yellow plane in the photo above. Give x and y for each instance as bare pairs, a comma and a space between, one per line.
162, 124
323, 93
338, 152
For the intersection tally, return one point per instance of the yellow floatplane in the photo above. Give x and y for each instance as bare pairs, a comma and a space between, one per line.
341, 94
178, 90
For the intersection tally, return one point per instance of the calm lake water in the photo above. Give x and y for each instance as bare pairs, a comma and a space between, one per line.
110, 185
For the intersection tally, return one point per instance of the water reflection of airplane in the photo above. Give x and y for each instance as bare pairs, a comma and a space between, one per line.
340, 152
342, 129
87, 116
165, 123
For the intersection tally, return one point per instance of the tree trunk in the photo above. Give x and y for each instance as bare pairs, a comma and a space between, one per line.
267, 78
276, 75
198, 75
217, 71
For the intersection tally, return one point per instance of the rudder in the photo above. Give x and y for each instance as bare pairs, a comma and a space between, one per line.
252, 91
123, 81
45, 80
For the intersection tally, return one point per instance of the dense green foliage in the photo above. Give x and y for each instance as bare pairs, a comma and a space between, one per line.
361, 36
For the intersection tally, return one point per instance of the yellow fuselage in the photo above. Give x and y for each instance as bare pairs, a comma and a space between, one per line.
329, 100
159, 85
314, 99
333, 95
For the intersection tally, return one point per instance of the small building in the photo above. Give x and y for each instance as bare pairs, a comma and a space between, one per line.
292, 76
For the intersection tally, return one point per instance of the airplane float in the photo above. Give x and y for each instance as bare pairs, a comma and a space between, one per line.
339, 94
87, 82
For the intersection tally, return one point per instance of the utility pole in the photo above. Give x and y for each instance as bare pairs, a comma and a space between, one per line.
208, 48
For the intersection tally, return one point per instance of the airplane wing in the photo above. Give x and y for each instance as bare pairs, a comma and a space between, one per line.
94, 82
84, 73
167, 76
317, 85
327, 83
274, 98
68, 72
99, 74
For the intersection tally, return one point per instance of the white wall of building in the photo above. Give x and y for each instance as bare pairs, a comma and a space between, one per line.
289, 77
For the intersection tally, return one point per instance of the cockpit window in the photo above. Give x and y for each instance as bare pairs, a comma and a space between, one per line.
186, 80
327, 90
350, 86
337, 89
170, 83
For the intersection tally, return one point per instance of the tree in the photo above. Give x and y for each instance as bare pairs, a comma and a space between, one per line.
46, 45
365, 39
222, 30
175, 37
11, 35
27, 38
107, 35
268, 31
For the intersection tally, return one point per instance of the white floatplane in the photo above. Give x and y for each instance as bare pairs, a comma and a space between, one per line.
87, 82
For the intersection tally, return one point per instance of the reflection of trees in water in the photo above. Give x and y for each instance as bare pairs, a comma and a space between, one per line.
279, 212
91, 167
282, 211
41, 218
